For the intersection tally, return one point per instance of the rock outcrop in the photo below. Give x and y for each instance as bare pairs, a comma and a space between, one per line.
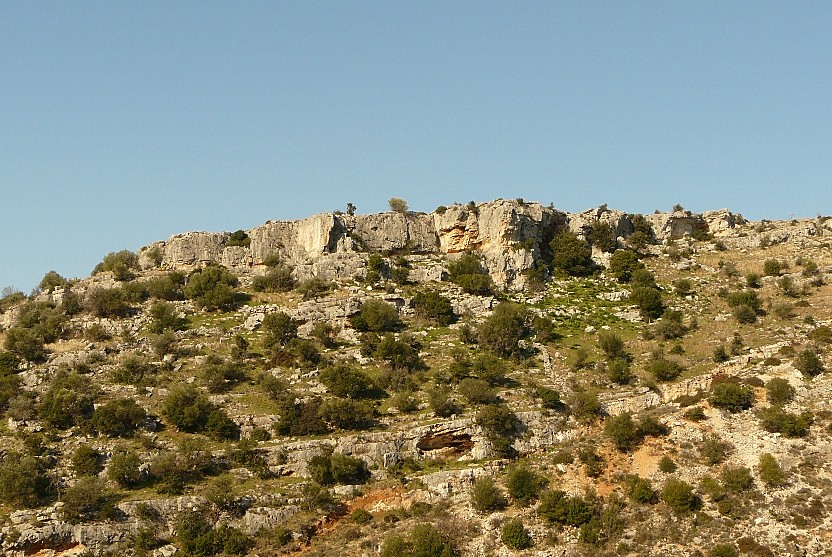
511, 236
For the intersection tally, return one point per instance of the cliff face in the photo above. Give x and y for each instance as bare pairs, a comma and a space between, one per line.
509, 234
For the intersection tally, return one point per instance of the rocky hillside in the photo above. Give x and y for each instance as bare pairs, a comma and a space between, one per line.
489, 379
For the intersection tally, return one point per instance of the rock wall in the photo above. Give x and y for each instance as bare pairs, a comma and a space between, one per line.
511, 235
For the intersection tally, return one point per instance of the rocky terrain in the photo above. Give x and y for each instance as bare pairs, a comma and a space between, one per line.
488, 379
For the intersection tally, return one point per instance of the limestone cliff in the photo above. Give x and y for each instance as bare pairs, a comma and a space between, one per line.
511, 235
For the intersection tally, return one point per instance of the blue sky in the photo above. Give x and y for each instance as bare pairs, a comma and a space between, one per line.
124, 123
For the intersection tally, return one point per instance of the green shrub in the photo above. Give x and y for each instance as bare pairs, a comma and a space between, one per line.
238, 238
51, 281
622, 264
125, 468
524, 485
278, 329
63, 407
744, 314
821, 334
397, 205
502, 332
344, 380
648, 300
724, 550
222, 375
667, 465
342, 413
643, 278
619, 371
467, 272
86, 461
500, 425
770, 471
376, 316
108, 302
424, 541
772, 267
277, 279
592, 461
440, 401
670, 326
301, 418
335, 468
192, 412
167, 287
808, 363
612, 345
121, 264
777, 420
663, 369
486, 496
601, 236
571, 255
165, 317
736, 479
713, 450
88, 500
731, 395
545, 330
679, 495
195, 535
747, 298
623, 432
559, 508
721, 354
23, 482
313, 288
779, 391
515, 536
640, 490
212, 288
118, 418
432, 306
134, 370
683, 287
585, 405
477, 391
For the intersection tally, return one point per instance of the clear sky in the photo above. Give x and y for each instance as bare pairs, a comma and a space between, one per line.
122, 123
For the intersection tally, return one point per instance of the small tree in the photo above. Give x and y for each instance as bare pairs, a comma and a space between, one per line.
515, 535
52, 280
648, 300
125, 468
212, 288
770, 471
571, 255
376, 316
808, 363
397, 205
623, 263
279, 330
432, 306
524, 485
779, 391
469, 274
118, 418
86, 461
622, 431
679, 495
731, 396
486, 496
502, 332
